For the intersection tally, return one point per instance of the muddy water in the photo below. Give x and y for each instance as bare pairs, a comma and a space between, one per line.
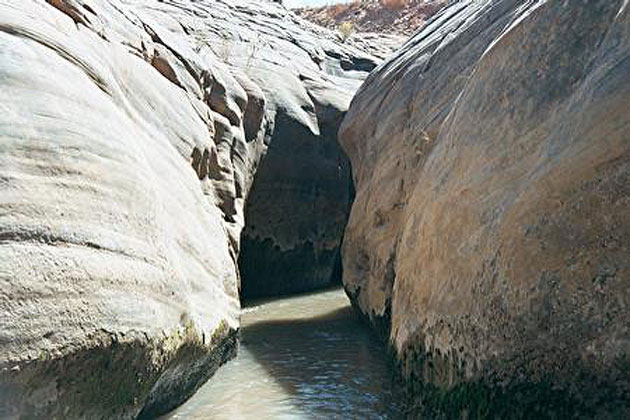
305, 357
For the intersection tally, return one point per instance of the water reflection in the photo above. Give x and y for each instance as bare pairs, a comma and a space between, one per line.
301, 357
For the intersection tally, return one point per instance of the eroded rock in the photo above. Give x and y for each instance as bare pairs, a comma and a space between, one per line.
128, 147
489, 235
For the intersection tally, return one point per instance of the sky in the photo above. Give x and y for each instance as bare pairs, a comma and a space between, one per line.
302, 3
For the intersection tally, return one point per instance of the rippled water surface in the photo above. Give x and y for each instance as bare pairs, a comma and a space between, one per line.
300, 358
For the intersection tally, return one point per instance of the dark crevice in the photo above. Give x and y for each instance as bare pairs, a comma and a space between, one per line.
297, 210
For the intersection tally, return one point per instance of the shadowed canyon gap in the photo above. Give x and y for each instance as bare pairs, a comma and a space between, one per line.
488, 241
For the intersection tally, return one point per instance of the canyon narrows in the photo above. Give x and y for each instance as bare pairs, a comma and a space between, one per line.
162, 159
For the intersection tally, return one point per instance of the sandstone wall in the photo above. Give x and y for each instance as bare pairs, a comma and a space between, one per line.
490, 233
130, 133
299, 204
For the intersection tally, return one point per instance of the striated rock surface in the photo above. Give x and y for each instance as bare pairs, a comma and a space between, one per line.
300, 199
490, 233
130, 133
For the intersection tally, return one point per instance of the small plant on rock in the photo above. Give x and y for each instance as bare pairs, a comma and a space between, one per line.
252, 50
346, 29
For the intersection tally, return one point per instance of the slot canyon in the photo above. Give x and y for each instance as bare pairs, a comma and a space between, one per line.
219, 209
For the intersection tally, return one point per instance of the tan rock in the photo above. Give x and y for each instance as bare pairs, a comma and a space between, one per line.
490, 158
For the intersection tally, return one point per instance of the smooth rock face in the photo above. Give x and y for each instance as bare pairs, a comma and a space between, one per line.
490, 232
130, 133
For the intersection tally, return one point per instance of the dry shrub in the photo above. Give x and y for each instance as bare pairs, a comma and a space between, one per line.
346, 29
394, 4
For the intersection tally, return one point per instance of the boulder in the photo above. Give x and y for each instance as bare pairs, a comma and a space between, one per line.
489, 236
130, 135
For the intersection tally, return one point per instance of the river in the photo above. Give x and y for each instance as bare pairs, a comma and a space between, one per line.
304, 357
